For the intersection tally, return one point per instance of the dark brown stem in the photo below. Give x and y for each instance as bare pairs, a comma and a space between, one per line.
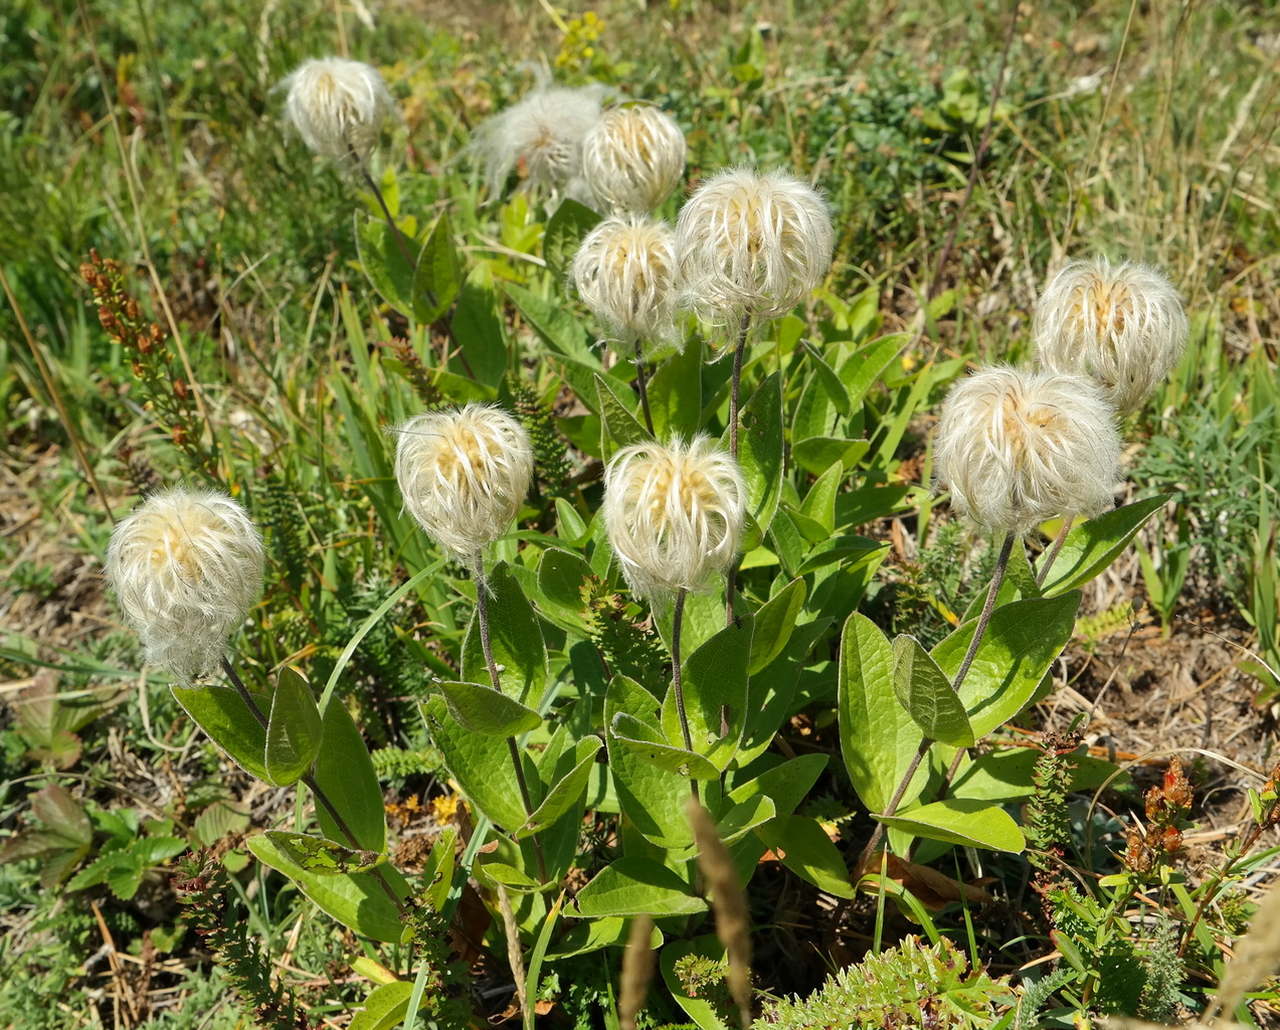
735, 391
642, 388
979, 154
482, 617
677, 682
400, 239
1051, 555
321, 797
979, 631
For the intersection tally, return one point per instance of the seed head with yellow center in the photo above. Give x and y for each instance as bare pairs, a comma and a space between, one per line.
1018, 447
673, 514
625, 272
337, 106
463, 475
1122, 325
186, 567
633, 158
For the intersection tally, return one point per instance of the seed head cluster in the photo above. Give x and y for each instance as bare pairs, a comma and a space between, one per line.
673, 514
463, 475
337, 106
186, 567
1123, 325
625, 271
1018, 447
542, 136
752, 244
633, 158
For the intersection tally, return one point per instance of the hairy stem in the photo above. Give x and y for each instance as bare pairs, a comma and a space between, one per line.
482, 617
735, 393
1051, 555
321, 797
677, 682
642, 387
979, 631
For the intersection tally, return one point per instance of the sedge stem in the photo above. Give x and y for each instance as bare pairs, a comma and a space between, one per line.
486, 645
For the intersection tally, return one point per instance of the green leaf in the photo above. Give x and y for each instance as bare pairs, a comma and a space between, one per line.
878, 739
927, 695
356, 900
820, 502
221, 713
484, 710
561, 576
567, 791
592, 935
219, 820
787, 783
294, 729
817, 454
478, 330
634, 886
382, 257
1092, 546
344, 771
619, 427
563, 236
384, 1008
516, 637
481, 764
122, 869
860, 372
701, 1010
501, 873
978, 824
651, 798
775, 620
742, 818
1022, 641
715, 694
804, 847
438, 274
675, 394
321, 856
760, 450
648, 742
1006, 773
829, 381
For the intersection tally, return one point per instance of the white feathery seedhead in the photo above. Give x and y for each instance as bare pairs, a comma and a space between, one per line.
673, 514
1018, 447
752, 244
543, 133
463, 475
1123, 325
186, 567
633, 158
625, 271
337, 106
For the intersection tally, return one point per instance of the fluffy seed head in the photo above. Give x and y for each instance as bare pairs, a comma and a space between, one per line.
633, 158
752, 244
337, 106
463, 475
186, 567
1123, 325
625, 271
542, 134
1017, 447
673, 514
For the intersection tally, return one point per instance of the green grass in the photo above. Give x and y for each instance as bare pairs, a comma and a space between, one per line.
150, 133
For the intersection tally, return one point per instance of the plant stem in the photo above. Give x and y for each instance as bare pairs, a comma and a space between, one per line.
401, 242
677, 682
1051, 555
979, 631
643, 389
735, 385
735, 392
482, 617
321, 797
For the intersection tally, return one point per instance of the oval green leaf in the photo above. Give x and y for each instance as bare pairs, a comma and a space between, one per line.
961, 821
294, 729
484, 710
927, 696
